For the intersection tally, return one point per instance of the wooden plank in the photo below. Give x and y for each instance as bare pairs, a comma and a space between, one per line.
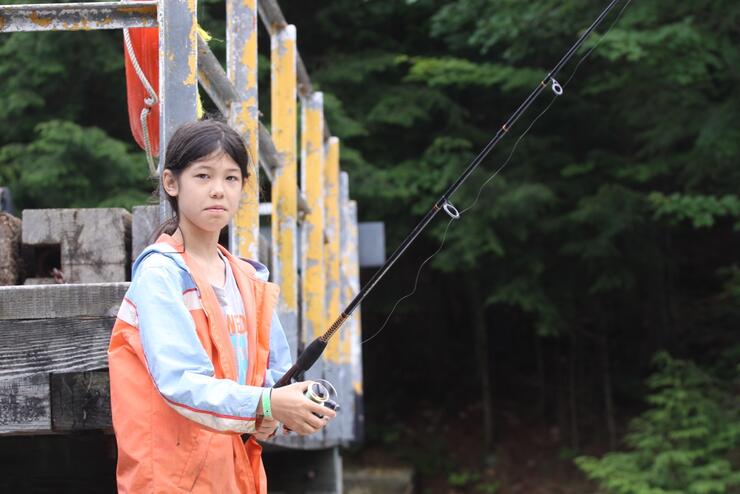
52, 301
32, 349
24, 405
41, 346
80, 401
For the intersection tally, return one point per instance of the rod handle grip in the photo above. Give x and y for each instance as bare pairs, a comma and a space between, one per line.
305, 360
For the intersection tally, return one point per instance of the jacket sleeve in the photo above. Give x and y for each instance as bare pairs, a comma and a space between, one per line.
177, 361
279, 361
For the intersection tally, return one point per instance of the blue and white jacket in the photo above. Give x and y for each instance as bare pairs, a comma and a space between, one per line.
171, 325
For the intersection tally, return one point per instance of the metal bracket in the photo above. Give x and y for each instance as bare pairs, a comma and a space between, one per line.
451, 210
556, 87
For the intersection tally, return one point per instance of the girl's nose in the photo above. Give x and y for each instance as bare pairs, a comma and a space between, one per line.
217, 190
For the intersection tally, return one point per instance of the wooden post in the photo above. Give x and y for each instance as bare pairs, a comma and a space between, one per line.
284, 183
241, 68
10, 249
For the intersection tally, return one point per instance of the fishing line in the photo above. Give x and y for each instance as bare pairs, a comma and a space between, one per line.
311, 353
575, 69
416, 283
495, 173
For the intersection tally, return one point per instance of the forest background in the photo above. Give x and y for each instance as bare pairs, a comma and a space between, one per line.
587, 306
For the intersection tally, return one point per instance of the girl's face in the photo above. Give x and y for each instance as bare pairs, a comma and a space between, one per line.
208, 191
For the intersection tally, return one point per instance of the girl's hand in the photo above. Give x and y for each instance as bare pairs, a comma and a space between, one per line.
265, 428
293, 409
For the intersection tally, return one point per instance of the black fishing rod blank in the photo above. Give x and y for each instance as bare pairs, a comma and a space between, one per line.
314, 350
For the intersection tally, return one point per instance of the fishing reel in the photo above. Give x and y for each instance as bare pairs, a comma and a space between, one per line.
321, 393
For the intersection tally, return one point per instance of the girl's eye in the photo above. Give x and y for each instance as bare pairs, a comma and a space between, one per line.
232, 178
201, 175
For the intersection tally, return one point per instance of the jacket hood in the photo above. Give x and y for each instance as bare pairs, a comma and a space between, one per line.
165, 249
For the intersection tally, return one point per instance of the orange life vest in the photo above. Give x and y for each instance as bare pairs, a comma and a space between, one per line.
160, 450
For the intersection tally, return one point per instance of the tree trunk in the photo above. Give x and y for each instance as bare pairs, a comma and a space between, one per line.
573, 390
607, 387
480, 329
539, 355
561, 385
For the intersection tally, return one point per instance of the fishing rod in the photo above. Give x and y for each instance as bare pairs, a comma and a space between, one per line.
313, 351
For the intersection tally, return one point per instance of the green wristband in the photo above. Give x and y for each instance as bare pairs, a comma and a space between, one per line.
266, 407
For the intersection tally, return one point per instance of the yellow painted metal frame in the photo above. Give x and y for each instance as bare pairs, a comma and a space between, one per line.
313, 288
284, 216
333, 304
241, 65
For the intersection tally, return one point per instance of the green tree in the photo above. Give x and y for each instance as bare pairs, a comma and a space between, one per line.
64, 134
681, 444
71, 166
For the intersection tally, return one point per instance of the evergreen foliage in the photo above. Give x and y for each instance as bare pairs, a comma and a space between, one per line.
64, 135
681, 444
613, 226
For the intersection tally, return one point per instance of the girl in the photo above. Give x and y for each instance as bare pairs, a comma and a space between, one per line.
196, 346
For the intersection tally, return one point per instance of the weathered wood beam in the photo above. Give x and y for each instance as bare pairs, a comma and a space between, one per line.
31, 350
80, 401
93, 241
48, 330
10, 249
52, 301
41, 346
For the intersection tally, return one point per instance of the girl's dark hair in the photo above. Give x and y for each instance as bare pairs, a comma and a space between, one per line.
194, 141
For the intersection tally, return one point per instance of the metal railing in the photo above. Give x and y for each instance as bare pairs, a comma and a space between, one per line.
321, 275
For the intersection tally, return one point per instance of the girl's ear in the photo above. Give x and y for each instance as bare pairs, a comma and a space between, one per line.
169, 183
